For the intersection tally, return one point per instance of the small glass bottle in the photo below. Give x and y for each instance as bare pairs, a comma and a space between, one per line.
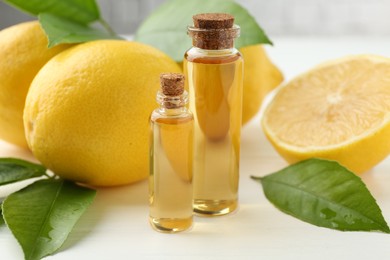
214, 71
171, 158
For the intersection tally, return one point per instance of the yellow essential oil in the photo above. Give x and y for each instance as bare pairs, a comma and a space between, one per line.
214, 70
171, 158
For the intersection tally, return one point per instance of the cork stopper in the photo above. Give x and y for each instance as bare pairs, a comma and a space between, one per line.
213, 21
172, 84
213, 31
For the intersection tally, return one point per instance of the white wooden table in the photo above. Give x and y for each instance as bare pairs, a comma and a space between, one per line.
116, 225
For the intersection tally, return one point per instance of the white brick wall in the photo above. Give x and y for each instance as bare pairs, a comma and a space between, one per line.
277, 17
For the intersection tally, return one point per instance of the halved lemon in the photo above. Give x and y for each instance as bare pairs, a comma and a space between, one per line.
339, 110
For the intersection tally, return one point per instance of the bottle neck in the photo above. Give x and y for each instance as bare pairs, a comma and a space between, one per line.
214, 53
172, 105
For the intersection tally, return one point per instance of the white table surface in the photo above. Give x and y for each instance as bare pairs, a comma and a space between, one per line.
116, 225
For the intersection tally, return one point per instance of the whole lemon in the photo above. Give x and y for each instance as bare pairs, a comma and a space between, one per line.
87, 111
260, 77
23, 52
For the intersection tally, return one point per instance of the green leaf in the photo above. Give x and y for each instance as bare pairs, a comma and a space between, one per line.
1, 215
43, 214
13, 170
325, 194
166, 27
81, 11
60, 30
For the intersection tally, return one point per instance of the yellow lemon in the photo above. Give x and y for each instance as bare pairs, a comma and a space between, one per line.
87, 111
339, 110
260, 77
23, 52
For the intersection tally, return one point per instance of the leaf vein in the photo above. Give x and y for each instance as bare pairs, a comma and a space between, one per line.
308, 192
47, 218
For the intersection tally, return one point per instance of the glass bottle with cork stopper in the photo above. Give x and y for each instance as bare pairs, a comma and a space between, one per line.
171, 158
214, 71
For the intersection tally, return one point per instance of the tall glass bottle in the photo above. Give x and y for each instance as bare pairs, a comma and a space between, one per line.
214, 71
171, 158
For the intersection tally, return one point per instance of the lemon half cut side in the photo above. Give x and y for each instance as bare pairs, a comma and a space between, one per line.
339, 110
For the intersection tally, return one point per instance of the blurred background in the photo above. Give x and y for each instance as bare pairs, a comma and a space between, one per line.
277, 17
